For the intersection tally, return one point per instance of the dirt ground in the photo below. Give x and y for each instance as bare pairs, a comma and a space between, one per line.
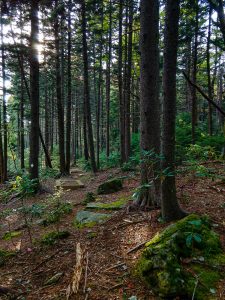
109, 250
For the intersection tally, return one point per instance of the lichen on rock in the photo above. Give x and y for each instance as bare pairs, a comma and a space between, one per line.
180, 257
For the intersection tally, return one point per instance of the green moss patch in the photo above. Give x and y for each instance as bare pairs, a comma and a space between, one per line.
52, 237
11, 234
4, 255
182, 259
89, 219
115, 205
110, 186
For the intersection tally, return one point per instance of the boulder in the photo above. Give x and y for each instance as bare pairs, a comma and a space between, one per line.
184, 253
110, 186
89, 219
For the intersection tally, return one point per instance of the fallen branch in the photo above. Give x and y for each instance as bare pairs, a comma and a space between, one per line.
137, 247
204, 95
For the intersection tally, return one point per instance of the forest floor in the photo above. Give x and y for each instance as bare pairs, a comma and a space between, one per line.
108, 262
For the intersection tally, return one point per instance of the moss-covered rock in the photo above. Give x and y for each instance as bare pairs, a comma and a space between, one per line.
184, 253
89, 219
115, 205
110, 186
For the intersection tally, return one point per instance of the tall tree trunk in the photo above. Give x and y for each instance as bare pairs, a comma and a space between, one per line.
170, 207
149, 102
128, 82
22, 144
120, 83
60, 109
86, 88
34, 92
208, 73
69, 96
5, 161
194, 73
108, 80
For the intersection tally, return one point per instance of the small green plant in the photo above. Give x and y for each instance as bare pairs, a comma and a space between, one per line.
52, 237
193, 236
197, 152
89, 197
24, 186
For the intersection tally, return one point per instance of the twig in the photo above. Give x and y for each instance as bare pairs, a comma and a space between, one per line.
115, 287
196, 284
115, 266
130, 223
86, 273
137, 247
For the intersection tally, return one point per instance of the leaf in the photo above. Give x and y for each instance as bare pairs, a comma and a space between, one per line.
212, 291
195, 222
189, 240
197, 237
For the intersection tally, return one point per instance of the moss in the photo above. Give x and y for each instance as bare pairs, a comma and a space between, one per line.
51, 237
84, 225
160, 265
115, 205
4, 255
110, 186
89, 197
11, 234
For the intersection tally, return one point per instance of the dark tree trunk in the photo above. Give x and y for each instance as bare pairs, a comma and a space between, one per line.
86, 89
194, 74
149, 101
34, 92
128, 82
69, 96
170, 207
22, 144
208, 73
60, 109
120, 84
5, 155
108, 80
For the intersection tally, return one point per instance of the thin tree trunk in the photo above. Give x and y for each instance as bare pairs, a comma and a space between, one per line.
60, 110
208, 73
86, 89
69, 96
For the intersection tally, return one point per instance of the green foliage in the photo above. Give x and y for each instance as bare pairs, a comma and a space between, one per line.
197, 152
49, 173
24, 186
52, 237
89, 197
56, 212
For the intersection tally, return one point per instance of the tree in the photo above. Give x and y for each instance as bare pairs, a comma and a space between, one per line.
149, 100
34, 91
170, 207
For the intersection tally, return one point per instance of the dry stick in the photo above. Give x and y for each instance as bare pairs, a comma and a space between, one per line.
115, 287
196, 284
115, 266
204, 95
86, 273
137, 247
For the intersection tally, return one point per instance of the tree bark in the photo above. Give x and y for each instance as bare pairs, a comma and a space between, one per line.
149, 101
170, 207
34, 92
208, 73
86, 88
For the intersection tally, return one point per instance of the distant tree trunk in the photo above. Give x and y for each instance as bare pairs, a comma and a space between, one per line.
5, 160
149, 102
128, 82
108, 80
22, 144
34, 92
60, 110
120, 84
99, 98
86, 89
208, 73
194, 73
170, 207
69, 96
1, 151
